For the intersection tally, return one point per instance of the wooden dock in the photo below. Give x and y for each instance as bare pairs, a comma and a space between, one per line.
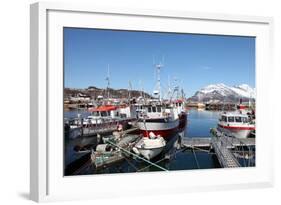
199, 142
222, 146
202, 142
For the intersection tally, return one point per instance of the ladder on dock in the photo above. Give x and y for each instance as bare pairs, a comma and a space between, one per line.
224, 155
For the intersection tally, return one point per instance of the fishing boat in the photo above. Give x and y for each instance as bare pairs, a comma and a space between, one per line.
108, 116
235, 124
150, 147
162, 117
101, 114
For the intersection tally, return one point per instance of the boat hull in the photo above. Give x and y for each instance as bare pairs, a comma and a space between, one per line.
166, 129
238, 132
150, 147
150, 153
182, 121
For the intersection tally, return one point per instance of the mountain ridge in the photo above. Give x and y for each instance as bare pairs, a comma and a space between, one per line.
225, 93
94, 92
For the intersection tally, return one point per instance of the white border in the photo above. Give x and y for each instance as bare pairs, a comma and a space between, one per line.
47, 181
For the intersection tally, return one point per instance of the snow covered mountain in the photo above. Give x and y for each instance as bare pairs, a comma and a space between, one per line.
222, 92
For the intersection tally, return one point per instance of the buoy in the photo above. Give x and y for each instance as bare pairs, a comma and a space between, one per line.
136, 150
152, 135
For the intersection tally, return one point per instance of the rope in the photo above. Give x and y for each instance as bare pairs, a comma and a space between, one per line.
150, 165
202, 150
195, 159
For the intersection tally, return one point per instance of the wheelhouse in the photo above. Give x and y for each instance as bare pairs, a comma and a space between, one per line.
105, 111
234, 118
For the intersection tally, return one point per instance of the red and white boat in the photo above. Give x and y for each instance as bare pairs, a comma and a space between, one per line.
101, 115
236, 124
165, 120
162, 118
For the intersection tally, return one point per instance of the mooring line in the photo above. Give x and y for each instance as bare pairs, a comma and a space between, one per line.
135, 155
202, 150
150, 165
195, 158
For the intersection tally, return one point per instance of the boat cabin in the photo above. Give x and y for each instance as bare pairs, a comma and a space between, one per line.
234, 118
155, 111
105, 111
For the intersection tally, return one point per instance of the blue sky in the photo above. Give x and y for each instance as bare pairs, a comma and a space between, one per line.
193, 60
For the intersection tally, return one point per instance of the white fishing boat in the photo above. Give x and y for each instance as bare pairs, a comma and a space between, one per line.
102, 114
150, 147
162, 117
163, 120
236, 124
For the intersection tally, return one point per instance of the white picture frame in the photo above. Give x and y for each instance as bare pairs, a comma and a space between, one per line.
47, 182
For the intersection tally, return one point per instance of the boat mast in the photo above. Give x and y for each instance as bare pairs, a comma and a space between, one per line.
158, 84
169, 89
141, 88
129, 91
182, 94
108, 82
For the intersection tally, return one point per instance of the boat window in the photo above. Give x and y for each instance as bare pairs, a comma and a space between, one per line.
149, 109
238, 119
230, 119
223, 118
244, 119
117, 114
179, 104
123, 115
103, 114
158, 109
153, 109
96, 114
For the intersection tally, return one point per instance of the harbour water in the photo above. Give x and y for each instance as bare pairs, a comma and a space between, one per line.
199, 124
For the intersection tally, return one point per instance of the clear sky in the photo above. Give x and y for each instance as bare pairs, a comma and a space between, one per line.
194, 60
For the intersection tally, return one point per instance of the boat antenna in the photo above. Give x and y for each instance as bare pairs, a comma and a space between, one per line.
158, 84
108, 81
169, 87
129, 91
182, 94
141, 88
